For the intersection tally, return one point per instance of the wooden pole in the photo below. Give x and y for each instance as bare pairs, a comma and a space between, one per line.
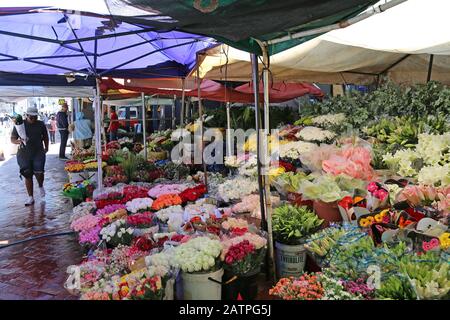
430, 67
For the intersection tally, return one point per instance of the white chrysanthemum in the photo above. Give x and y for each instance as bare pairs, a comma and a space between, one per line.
315, 134
329, 120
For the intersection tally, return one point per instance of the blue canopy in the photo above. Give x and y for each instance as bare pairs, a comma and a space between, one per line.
56, 43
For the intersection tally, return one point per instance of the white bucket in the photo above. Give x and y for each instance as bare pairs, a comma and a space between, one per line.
197, 286
290, 260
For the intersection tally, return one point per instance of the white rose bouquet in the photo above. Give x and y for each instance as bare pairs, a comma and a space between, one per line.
139, 205
117, 233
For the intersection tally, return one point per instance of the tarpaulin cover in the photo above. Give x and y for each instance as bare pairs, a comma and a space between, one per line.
396, 43
238, 22
214, 91
59, 43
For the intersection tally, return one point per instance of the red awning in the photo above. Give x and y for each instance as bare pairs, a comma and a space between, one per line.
283, 91
210, 90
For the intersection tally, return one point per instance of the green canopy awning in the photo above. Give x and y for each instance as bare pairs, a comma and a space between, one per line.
239, 22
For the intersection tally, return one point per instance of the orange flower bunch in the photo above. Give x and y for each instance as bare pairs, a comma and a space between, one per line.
369, 220
166, 200
307, 287
74, 167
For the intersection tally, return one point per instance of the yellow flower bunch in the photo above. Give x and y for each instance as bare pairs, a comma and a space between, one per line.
275, 172
251, 143
118, 214
444, 240
93, 165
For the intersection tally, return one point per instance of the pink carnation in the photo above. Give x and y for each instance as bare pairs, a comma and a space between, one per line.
85, 223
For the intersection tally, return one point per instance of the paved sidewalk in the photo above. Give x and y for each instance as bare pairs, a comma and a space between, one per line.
36, 269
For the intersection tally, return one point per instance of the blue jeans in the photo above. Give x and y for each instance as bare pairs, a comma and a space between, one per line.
112, 136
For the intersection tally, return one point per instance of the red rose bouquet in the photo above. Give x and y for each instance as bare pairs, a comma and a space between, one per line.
141, 220
192, 194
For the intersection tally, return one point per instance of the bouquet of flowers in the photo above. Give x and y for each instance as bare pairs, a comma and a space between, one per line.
307, 287
117, 233
237, 188
20, 128
351, 161
141, 220
74, 167
139, 205
164, 215
166, 200
243, 254
161, 189
314, 134
377, 196
293, 149
83, 209
198, 254
192, 194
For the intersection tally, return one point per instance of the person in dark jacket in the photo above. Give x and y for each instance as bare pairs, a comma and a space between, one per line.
62, 123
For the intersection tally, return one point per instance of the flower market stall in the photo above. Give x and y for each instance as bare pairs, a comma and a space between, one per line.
351, 196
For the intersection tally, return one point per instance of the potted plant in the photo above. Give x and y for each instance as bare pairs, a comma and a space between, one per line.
242, 257
291, 225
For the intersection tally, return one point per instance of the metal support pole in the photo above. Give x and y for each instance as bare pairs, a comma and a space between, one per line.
183, 97
144, 124
200, 114
229, 151
268, 208
430, 67
255, 77
98, 136
174, 118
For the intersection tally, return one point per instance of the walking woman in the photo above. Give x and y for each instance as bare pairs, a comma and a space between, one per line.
32, 153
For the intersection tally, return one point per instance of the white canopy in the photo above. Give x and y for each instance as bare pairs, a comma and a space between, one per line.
51, 91
396, 43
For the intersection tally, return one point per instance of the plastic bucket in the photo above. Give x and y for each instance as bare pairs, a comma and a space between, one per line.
243, 286
328, 212
199, 286
290, 260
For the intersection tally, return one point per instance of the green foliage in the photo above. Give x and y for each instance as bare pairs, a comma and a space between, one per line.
291, 223
396, 287
390, 100
244, 117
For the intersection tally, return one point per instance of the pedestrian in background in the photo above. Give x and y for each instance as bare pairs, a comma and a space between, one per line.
113, 124
62, 122
52, 129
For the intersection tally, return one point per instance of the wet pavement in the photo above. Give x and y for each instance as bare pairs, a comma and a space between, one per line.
35, 270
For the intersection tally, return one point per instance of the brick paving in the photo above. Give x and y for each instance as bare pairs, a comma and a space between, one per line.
35, 270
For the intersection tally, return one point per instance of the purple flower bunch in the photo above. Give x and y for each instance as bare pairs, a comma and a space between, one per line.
359, 287
90, 236
110, 209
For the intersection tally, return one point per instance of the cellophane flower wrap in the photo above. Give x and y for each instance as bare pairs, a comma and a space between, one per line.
353, 161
